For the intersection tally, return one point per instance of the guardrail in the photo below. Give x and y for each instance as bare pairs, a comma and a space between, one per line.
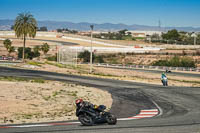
10, 62
148, 67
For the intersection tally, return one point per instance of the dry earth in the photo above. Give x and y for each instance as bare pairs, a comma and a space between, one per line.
26, 102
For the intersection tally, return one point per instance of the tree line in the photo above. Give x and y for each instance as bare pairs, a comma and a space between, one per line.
177, 37
30, 53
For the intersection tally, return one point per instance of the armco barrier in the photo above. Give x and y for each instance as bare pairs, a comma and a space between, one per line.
148, 67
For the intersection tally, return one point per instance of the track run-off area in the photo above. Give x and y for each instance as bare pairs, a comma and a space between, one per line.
176, 109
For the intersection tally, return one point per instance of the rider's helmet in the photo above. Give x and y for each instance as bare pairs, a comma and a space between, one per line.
79, 101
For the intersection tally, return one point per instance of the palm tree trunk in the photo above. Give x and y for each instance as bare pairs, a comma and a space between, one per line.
24, 49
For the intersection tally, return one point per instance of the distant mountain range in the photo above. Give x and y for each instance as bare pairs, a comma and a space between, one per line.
84, 26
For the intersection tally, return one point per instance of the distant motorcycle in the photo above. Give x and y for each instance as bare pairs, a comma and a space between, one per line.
89, 117
165, 81
168, 71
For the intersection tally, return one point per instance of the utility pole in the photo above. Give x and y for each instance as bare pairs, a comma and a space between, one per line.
159, 25
76, 58
195, 40
92, 27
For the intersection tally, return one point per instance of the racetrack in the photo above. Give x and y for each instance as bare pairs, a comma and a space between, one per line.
180, 105
60, 42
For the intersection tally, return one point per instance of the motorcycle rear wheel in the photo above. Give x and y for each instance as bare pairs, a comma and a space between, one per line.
85, 120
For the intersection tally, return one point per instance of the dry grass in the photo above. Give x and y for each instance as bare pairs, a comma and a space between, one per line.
27, 102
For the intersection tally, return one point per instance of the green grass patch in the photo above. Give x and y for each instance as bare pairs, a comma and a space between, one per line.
55, 93
72, 93
46, 98
139, 38
34, 63
79, 68
186, 81
8, 78
38, 80
56, 64
21, 79
106, 75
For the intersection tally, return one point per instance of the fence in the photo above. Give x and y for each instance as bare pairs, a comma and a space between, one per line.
148, 67
66, 55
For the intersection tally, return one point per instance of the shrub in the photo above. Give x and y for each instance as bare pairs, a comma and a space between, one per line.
8, 45
52, 58
29, 54
176, 62
86, 56
99, 59
45, 48
36, 51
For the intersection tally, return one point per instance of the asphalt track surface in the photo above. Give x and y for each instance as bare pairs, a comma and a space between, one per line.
54, 41
60, 42
180, 105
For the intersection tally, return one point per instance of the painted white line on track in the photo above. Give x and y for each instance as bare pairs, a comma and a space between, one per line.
143, 114
76, 122
37, 125
149, 113
159, 108
126, 119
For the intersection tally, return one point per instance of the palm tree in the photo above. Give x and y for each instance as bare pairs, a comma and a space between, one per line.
45, 48
8, 45
25, 25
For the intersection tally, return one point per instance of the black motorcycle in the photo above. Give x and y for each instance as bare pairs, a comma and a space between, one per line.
88, 116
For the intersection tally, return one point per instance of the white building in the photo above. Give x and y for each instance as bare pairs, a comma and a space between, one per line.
144, 33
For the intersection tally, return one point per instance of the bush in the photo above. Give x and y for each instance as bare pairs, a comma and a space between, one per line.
29, 54
45, 48
99, 59
176, 62
36, 51
52, 58
86, 56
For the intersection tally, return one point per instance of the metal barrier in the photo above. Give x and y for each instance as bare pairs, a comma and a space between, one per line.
148, 67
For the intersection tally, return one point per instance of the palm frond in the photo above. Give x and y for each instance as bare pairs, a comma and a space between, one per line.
25, 25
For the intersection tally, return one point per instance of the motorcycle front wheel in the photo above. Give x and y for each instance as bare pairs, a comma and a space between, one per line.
85, 120
111, 119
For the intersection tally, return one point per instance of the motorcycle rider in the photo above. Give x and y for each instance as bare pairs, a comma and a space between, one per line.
163, 77
80, 103
89, 114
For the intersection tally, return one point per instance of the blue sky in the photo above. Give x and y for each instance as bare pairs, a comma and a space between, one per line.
142, 12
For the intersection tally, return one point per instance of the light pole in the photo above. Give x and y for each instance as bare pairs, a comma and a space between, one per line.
91, 26
195, 38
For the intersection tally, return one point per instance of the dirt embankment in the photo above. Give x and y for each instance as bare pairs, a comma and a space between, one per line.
26, 102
